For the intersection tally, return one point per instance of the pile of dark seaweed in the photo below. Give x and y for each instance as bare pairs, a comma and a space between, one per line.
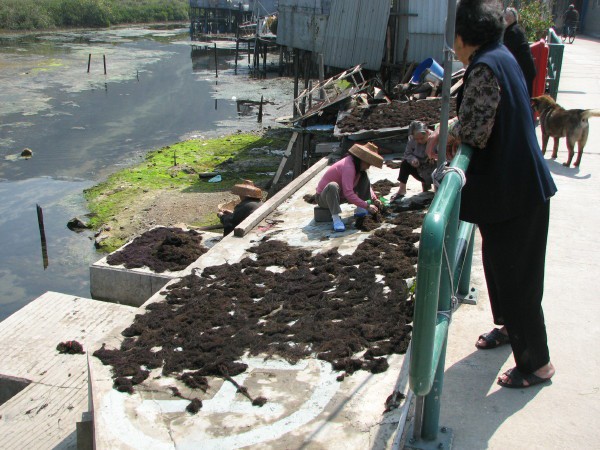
160, 249
327, 305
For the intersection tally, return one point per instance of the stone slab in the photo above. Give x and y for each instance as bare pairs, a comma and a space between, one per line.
44, 413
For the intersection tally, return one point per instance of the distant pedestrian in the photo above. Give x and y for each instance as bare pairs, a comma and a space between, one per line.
570, 20
516, 41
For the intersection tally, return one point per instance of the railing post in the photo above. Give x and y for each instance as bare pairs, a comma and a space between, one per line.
431, 408
431, 413
437, 279
464, 284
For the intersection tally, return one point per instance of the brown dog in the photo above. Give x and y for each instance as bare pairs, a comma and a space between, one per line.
558, 122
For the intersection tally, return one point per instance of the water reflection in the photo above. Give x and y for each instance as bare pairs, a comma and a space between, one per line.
82, 127
23, 274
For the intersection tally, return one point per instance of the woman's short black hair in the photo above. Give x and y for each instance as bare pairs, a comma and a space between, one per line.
479, 22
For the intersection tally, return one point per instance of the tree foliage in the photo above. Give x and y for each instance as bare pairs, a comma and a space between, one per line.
46, 14
536, 18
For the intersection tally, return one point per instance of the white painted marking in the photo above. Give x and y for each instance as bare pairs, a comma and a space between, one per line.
326, 388
114, 411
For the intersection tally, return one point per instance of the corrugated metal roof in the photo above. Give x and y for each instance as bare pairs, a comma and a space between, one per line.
356, 33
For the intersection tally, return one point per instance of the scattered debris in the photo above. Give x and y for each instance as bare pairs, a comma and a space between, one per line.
394, 401
76, 224
70, 347
194, 406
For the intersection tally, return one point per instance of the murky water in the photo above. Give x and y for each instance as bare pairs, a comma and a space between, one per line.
159, 88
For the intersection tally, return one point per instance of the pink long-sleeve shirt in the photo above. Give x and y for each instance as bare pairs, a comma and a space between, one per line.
344, 174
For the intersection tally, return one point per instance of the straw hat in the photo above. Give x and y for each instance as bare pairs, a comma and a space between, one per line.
367, 153
247, 189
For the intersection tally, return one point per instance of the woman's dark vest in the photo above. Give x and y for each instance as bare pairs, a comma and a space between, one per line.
509, 176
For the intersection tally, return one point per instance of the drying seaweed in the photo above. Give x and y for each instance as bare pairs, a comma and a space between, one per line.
70, 347
383, 187
160, 249
194, 406
310, 198
394, 115
350, 310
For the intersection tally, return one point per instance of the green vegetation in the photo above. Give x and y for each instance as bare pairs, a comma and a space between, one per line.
47, 14
235, 157
536, 18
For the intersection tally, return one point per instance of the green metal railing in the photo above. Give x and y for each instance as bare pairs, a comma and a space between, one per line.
443, 274
555, 58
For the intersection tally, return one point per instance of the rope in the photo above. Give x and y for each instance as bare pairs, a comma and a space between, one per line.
439, 173
454, 300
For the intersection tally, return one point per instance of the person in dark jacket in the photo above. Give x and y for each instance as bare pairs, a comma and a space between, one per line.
516, 41
571, 19
250, 201
507, 191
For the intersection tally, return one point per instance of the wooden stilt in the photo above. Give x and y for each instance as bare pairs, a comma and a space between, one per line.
296, 112
216, 62
40, 217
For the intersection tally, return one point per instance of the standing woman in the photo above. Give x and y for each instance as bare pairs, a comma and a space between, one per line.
516, 41
507, 191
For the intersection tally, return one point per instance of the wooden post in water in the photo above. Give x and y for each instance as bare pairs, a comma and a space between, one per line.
281, 60
266, 49
40, 217
321, 77
237, 36
216, 62
89, 62
260, 110
104, 58
295, 111
237, 51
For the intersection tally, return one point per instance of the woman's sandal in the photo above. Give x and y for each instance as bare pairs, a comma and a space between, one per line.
516, 379
493, 339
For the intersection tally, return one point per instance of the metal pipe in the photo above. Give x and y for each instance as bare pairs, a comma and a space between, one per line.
448, 56
431, 408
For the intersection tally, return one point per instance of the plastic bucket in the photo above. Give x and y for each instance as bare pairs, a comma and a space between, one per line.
428, 70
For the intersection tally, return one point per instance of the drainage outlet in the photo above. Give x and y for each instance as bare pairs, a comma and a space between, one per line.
11, 386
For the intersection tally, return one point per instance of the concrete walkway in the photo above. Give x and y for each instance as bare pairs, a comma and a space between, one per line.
566, 413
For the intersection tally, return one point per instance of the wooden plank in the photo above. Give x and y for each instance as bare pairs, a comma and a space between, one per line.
456, 86
286, 155
268, 207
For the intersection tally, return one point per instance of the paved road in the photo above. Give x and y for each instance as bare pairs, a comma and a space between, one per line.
566, 413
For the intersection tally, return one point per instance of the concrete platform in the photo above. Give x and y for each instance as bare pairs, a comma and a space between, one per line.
133, 286
307, 407
44, 393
